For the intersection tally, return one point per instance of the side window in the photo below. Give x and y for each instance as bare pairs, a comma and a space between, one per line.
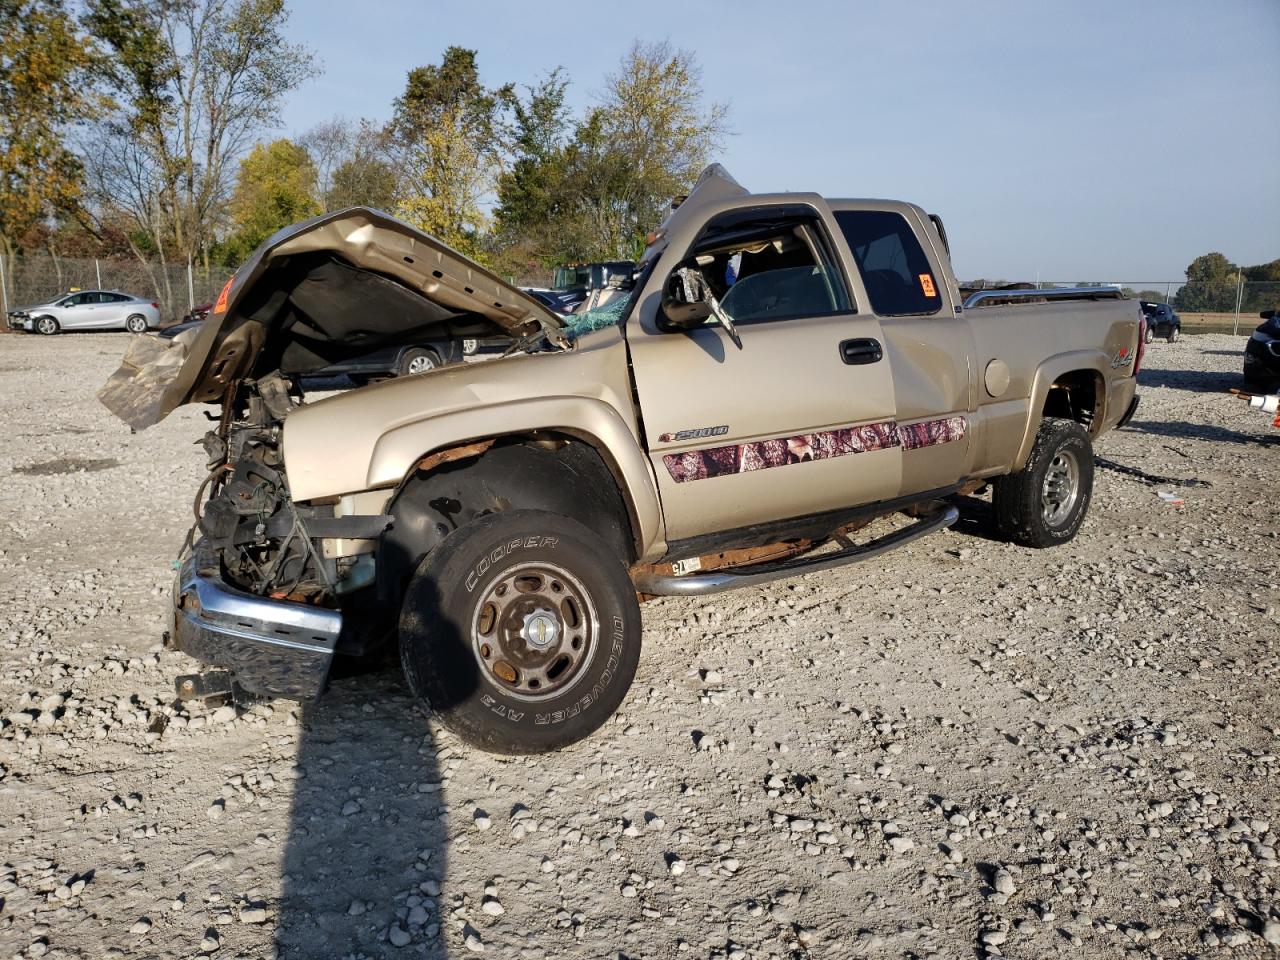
770, 268
113, 298
894, 268
76, 300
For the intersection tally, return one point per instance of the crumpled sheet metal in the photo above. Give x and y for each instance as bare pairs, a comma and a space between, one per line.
135, 392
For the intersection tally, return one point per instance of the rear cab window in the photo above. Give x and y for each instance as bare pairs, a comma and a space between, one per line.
896, 273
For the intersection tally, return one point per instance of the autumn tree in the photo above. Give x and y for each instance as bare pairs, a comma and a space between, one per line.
196, 81
45, 89
275, 186
595, 194
352, 169
447, 140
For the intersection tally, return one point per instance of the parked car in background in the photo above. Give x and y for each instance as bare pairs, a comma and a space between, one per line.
1161, 321
395, 361
1262, 354
88, 310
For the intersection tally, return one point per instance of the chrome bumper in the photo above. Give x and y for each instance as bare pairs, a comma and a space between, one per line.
275, 648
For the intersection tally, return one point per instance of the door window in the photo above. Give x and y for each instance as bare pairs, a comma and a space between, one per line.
770, 268
893, 265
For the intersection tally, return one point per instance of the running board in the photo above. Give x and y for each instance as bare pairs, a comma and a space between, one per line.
717, 581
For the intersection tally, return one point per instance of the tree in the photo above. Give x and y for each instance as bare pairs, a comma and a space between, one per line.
351, 165
276, 186
196, 80
448, 143
45, 89
1212, 282
597, 196
647, 142
531, 191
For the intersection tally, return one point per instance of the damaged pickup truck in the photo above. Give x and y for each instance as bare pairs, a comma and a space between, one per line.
784, 370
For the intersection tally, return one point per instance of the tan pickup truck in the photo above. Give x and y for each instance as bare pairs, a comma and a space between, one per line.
784, 370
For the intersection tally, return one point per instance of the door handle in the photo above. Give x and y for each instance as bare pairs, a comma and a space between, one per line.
861, 350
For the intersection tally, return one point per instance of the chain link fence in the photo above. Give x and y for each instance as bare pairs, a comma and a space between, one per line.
29, 280
1227, 306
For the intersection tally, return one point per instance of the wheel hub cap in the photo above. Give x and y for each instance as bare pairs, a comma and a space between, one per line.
541, 629
1061, 488
535, 630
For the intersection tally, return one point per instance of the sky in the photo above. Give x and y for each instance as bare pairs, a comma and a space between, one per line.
1111, 141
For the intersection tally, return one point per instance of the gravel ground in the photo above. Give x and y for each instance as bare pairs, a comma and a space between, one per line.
963, 749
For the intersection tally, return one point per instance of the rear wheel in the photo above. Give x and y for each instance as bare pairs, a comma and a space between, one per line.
1044, 503
418, 360
521, 631
136, 324
47, 325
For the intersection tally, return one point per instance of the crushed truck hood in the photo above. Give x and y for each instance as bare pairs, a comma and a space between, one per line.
320, 291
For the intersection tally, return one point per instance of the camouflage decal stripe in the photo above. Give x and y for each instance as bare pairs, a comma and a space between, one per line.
826, 445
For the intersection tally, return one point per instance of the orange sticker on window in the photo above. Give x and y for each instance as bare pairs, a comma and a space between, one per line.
221, 305
926, 284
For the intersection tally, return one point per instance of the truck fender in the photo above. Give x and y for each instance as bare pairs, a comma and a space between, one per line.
1046, 375
597, 424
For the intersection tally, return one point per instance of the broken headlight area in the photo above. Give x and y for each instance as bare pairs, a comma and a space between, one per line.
267, 544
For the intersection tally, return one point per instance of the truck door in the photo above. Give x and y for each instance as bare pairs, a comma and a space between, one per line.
800, 420
905, 282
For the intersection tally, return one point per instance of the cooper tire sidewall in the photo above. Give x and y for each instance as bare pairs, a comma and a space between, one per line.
439, 657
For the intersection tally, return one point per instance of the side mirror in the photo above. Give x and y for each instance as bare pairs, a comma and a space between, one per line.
686, 301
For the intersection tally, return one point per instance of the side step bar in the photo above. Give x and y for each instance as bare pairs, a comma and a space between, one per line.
717, 581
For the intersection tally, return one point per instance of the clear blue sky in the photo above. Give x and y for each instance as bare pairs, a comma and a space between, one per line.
1104, 140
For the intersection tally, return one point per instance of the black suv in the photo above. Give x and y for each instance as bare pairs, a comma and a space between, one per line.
1262, 354
1161, 321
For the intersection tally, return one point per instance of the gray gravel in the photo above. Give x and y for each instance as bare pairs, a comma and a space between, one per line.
966, 749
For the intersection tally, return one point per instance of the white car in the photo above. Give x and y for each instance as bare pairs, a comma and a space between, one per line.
88, 310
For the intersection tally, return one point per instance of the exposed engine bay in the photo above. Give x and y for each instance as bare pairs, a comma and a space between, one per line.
269, 545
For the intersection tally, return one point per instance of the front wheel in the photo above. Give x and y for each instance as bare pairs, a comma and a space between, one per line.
418, 360
521, 631
47, 326
1173, 334
1044, 503
1149, 335
136, 324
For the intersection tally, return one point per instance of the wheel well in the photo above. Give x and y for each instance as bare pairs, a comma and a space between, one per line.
1076, 396
544, 471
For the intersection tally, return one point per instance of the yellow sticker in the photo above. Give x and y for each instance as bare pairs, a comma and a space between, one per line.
926, 284
221, 305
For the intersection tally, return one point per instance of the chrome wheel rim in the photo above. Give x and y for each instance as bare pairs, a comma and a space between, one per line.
136, 324
46, 325
535, 631
1061, 488
421, 364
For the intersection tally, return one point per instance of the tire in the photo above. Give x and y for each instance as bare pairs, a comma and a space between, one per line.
136, 324
47, 326
1173, 334
417, 360
1150, 335
489, 624
1044, 503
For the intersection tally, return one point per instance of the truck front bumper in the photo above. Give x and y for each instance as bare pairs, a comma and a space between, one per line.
275, 648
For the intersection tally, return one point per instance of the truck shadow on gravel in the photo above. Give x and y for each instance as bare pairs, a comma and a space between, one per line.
1181, 429
365, 855
1195, 381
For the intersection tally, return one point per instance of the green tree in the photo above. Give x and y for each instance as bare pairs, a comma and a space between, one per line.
351, 163
448, 139
531, 191
275, 186
45, 89
1211, 285
196, 81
